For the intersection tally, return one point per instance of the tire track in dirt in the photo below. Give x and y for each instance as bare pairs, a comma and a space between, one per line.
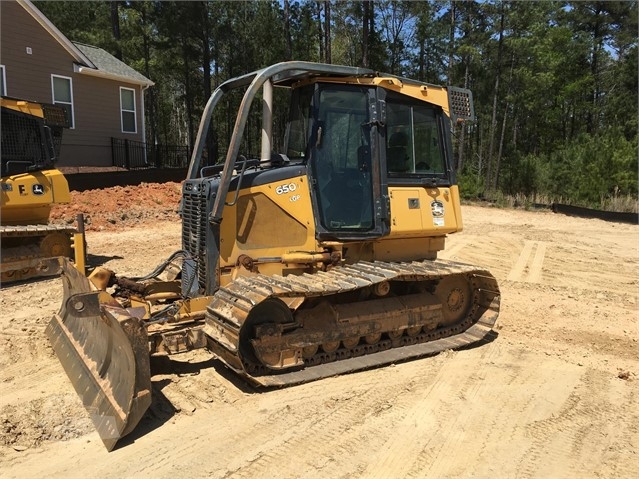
346, 420
418, 422
360, 442
518, 269
425, 446
565, 440
264, 432
534, 275
441, 458
485, 250
456, 247
522, 270
339, 421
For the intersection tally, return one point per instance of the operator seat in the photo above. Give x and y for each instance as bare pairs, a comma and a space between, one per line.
397, 160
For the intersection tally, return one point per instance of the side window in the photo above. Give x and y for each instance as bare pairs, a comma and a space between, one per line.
413, 142
428, 145
399, 138
3, 81
127, 110
62, 93
299, 123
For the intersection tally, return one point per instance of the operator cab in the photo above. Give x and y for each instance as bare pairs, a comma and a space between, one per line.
30, 142
358, 139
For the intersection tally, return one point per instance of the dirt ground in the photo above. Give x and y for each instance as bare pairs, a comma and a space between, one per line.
555, 395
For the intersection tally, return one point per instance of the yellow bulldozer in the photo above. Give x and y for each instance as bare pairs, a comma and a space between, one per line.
317, 260
30, 184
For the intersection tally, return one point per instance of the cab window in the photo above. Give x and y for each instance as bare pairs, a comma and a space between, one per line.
413, 141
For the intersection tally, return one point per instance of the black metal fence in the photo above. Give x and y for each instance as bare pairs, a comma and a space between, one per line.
132, 155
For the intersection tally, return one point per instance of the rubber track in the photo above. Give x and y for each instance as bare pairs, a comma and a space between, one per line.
231, 305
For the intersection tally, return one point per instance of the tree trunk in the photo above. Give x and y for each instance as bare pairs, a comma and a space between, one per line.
187, 92
287, 30
320, 34
593, 114
206, 52
115, 28
451, 43
503, 125
206, 65
493, 122
422, 57
327, 30
151, 103
366, 5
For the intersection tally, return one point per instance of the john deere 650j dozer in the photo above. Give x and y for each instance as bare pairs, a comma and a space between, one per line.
317, 260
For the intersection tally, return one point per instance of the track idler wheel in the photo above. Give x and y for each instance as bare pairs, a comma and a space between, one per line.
455, 296
396, 334
259, 333
56, 244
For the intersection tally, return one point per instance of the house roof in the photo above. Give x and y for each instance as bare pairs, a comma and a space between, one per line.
89, 60
109, 65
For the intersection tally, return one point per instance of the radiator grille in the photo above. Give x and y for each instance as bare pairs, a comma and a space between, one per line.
194, 220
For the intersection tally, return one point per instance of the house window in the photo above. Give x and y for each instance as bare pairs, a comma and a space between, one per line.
62, 88
3, 81
127, 110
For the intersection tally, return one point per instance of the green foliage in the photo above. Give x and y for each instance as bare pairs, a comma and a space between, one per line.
555, 83
592, 168
471, 185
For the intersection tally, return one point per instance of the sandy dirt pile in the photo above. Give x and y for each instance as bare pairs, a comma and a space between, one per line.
554, 395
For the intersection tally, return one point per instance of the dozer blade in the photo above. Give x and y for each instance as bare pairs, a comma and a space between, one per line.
104, 351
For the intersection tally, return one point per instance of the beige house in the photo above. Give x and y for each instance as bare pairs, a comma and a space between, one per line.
103, 96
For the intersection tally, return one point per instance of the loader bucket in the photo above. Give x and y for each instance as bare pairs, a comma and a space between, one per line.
104, 351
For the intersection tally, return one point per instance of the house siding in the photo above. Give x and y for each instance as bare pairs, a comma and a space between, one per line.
96, 101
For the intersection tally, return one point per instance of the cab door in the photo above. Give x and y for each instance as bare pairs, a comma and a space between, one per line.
348, 192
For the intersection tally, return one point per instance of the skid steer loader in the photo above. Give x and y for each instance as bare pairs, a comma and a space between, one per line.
318, 260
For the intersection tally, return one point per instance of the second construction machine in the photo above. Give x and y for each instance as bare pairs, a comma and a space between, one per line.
318, 260
30, 186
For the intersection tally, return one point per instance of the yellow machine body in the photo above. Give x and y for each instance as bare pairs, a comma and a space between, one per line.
262, 223
316, 260
29, 187
27, 198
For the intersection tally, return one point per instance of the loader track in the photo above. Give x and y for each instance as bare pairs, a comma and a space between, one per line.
229, 328
32, 250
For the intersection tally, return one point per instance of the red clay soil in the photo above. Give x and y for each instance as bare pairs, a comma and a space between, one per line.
121, 207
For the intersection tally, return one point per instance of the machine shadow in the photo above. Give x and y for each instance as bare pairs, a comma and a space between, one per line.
172, 365
160, 412
489, 338
94, 260
161, 409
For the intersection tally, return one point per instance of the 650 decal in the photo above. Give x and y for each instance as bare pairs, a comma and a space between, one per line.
286, 188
